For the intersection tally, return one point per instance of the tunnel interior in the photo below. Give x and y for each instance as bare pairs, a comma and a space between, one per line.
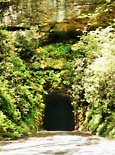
58, 113
61, 36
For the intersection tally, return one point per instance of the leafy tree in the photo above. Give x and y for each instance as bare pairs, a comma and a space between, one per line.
94, 81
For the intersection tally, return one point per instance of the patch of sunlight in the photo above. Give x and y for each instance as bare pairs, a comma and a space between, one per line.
103, 64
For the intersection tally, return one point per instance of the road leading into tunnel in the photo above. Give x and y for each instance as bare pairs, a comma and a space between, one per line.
59, 143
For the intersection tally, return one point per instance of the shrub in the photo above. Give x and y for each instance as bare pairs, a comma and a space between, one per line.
94, 79
58, 50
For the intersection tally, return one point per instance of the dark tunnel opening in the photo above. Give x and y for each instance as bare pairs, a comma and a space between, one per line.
61, 36
58, 113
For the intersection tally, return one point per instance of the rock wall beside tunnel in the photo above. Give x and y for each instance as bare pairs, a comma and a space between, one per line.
52, 15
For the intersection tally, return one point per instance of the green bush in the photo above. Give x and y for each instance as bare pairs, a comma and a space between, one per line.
58, 50
27, 73
95, 78
26, 43
20, 94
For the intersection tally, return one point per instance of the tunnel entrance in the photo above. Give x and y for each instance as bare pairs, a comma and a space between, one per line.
58, 113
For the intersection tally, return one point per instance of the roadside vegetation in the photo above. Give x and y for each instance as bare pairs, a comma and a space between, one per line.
29, 70
94, 82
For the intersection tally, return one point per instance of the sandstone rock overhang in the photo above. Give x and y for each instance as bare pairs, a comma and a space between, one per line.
56, 16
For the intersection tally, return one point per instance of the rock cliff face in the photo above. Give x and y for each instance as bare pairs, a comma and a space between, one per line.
56, 15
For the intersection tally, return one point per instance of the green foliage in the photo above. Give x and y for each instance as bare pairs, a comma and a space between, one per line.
20, 95
94, 80
58, 50
26, 43
88, 47
6, 44
6, 125
27, 73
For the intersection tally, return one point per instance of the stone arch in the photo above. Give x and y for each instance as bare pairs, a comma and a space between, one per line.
58, 113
